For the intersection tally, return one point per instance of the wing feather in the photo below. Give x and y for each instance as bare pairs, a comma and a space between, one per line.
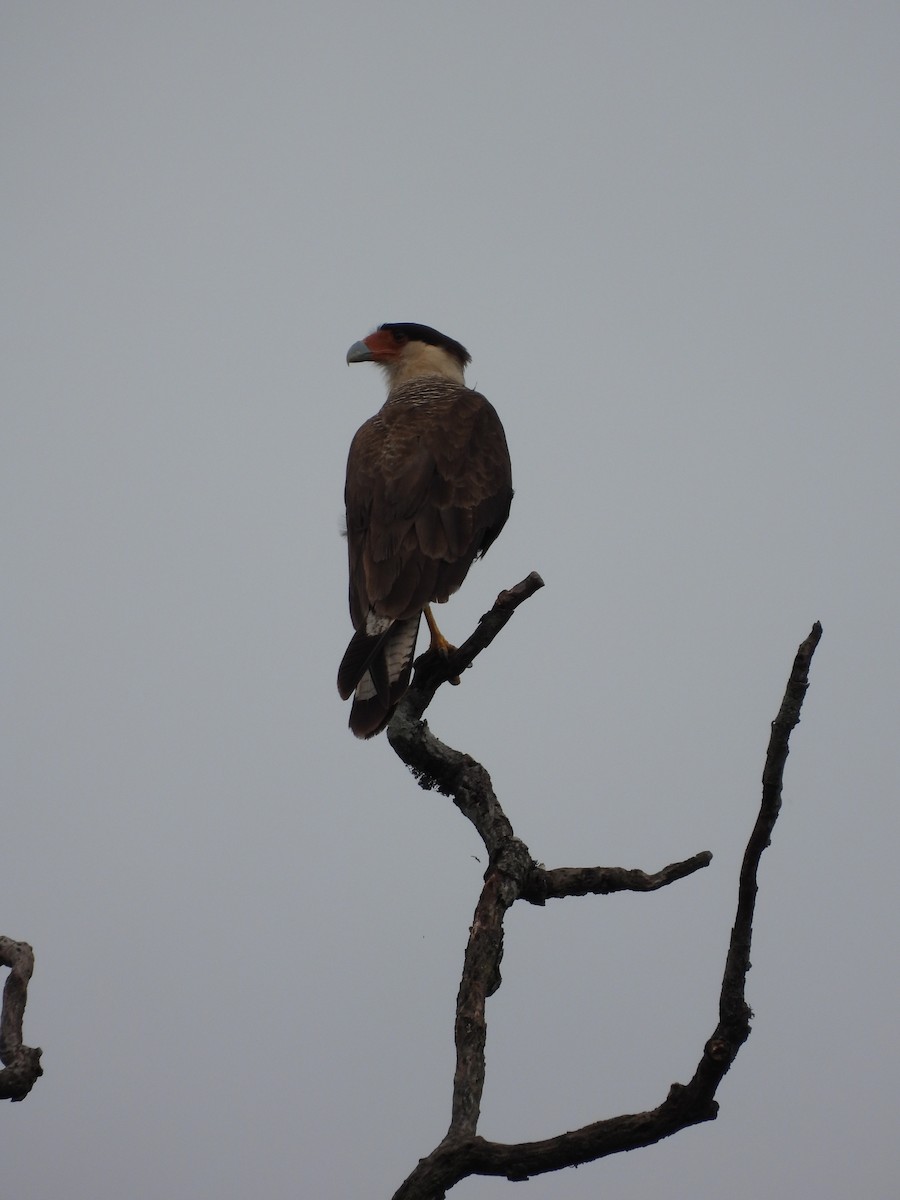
429, 487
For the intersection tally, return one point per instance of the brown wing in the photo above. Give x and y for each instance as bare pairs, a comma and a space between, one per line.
429, 486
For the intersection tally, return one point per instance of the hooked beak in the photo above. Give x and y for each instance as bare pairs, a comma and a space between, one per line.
359, 352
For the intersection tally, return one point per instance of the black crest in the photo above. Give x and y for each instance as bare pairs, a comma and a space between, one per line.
409, 331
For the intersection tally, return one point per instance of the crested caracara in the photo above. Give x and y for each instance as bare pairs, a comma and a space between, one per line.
428, 489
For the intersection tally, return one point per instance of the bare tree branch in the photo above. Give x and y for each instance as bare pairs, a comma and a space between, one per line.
513, 874
734, 1013
433, 670
22, 1064
602, 881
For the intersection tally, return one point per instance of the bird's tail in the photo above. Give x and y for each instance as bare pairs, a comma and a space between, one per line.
376, 671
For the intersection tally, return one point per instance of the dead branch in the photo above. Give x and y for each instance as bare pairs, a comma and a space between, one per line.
513, 874
602, 881
21, 1064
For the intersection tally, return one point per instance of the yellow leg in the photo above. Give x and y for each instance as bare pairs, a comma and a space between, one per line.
438, 642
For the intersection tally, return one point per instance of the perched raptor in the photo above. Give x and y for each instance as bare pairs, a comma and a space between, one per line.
428, 489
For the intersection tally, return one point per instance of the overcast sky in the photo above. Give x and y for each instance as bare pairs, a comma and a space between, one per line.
668, 234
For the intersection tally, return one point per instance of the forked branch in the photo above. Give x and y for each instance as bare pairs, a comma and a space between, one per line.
513, 874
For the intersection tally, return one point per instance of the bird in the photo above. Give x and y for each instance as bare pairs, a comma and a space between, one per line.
428, 489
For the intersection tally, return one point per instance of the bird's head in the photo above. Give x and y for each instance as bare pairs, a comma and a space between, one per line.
406, 350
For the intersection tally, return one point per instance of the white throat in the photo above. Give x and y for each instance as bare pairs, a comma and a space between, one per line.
418, 358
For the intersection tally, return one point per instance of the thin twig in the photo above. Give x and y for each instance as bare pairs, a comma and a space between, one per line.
602, 881
433, 670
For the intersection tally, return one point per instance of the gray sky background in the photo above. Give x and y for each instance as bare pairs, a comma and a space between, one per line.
669, 236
